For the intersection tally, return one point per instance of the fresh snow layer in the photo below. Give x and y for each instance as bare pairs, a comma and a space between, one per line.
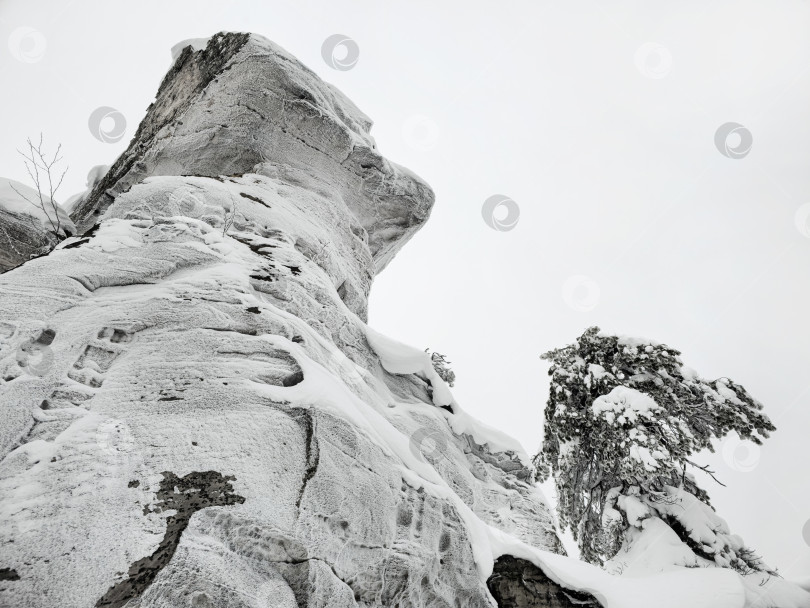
699, 588
145, 263
352, 393
197, 44
399, 358
624, 404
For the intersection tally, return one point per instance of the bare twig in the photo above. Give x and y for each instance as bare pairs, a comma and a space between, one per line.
40, 168
706, 470
229, 218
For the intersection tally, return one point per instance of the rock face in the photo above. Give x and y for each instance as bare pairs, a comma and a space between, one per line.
26, 231
245, 101
517, 583
195, 411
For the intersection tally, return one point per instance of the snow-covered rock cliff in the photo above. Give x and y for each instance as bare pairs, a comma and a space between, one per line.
197, 414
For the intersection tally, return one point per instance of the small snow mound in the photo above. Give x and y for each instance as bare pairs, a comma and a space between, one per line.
624, 404
197, 44
399, 358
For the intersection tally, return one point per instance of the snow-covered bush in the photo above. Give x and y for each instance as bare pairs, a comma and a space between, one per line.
623, 418
442, 367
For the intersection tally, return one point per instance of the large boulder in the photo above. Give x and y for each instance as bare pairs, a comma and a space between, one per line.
29, 226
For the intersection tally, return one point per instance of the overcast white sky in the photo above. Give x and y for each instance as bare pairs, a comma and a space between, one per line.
598, 119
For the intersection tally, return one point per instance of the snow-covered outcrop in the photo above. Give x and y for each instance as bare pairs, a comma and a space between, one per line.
244, 101
28, 225
197, 414
194, 412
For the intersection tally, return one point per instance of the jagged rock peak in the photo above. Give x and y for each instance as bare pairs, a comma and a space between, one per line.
243, 101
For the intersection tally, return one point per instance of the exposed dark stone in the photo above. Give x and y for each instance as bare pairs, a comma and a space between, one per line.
517, 583
254, 198
305, 420
186, 495
46, 337
293, 379
75, 244
9, 574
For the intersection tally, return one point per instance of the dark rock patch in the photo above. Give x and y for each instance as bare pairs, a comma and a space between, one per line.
293, 379
517, 583
254, 198
75, 244
306, 421
185, 495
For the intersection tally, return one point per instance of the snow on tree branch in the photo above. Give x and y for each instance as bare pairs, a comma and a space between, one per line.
623, 418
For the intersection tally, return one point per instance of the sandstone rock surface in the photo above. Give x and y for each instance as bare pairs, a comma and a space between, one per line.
245, 101
194, 413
